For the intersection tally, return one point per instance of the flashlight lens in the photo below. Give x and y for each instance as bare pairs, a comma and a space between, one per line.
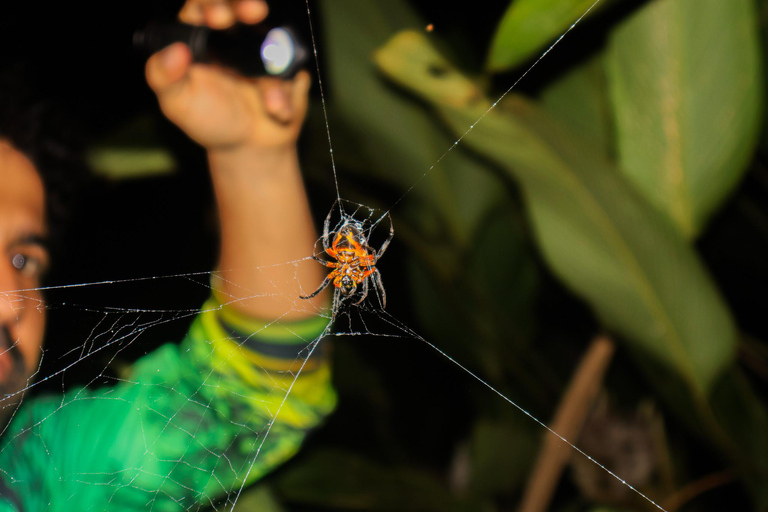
277, 51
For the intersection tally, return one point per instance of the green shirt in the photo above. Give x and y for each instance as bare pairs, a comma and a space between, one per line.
181, 431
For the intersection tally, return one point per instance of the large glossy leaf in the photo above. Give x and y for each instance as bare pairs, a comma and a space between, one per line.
686, 85
597, 234
528, 25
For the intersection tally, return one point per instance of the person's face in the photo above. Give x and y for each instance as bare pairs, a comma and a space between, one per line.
23, 259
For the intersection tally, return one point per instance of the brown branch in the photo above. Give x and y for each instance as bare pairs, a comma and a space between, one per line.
569, 420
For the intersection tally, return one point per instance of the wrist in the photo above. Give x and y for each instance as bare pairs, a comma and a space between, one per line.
250, 150
254, 160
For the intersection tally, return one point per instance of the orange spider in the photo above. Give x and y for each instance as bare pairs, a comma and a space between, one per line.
355, 260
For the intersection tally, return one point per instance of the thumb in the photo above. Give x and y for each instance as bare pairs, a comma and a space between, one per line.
276, 99
167, 68
285, 101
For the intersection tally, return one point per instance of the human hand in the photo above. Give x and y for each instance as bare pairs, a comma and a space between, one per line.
219, 109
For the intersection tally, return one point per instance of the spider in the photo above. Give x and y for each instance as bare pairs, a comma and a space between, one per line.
355, 260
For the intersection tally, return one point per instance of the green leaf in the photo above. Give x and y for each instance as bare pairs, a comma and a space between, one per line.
686, 85
130, 162
486, 294
743, 415
502, 454
597, 234
258, 499
580, 99
528, 25
131, 151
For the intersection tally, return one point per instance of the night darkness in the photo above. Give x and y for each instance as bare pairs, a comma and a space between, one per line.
79, 57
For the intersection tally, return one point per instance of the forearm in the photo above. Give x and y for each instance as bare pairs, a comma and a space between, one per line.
249, 127
266, 228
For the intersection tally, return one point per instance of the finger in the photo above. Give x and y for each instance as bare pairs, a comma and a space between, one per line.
285, 101
300, 89
276, 99
192, 13
214, 13
218, 15
167, 68
251, 11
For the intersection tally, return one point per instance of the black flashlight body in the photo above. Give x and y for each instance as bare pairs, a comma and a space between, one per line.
238, 47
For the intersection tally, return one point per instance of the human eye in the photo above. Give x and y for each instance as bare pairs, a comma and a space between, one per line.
29, 264
23, 263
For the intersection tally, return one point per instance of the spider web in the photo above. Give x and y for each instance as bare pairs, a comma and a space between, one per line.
402, 328
118, 328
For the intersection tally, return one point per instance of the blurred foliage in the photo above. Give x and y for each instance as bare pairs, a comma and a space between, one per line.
607, 170
114, 158
528, 25
593, 229
686, 90
341, 480
259, 498
131, 162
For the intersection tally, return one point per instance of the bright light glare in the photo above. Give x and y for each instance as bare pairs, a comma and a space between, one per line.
277, 51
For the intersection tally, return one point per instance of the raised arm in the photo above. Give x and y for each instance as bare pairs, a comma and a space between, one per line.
249, 128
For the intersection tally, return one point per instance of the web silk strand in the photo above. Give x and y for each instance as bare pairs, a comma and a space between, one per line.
322, 100
493, 106
410, 332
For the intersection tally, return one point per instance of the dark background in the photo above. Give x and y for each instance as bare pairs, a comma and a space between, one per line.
80, 58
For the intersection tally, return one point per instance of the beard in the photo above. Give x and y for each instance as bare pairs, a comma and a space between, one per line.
13, 382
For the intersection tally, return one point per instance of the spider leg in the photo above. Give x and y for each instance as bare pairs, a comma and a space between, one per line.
388, 240
376, 276
364, 293
332, 251
326, 229
330, 264
322, 287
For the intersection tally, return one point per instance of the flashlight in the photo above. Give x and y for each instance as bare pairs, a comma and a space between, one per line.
252, 50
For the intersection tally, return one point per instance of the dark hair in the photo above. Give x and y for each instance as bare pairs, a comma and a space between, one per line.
39, 129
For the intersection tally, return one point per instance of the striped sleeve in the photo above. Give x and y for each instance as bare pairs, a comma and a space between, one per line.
189, 425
